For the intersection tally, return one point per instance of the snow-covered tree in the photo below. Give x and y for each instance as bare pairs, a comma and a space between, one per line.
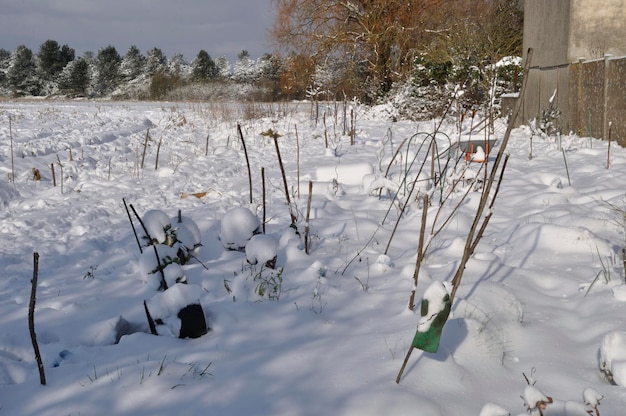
75, 78
245, 69
21, 74
155, 61
203, 67
223, 67
132, 64
107, 66
178, 67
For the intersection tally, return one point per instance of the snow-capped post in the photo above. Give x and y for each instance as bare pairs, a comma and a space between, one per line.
31, 319
245, 152
435, 310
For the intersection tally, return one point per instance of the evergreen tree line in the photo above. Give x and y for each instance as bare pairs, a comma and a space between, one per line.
56, 70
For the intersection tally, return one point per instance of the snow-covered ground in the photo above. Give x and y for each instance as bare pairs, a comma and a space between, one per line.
541, 301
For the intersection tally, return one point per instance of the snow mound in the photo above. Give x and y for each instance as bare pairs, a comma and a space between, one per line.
347, 174
237, 228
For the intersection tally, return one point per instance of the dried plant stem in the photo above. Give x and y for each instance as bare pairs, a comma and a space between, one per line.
245, 152
31, 320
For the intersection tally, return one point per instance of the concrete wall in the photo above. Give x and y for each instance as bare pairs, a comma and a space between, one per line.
598, 28
546, 30
590, 93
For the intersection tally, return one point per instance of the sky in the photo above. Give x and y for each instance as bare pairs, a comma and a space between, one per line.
221, 27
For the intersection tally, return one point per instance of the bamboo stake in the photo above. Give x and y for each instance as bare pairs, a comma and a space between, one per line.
470, 243
245, 151
420, 253
31, 320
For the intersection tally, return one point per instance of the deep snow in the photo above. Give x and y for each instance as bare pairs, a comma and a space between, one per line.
542, 291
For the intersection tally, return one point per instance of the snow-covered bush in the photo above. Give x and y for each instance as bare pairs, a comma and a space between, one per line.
237, 228
613, 357
262, 249
177, 312
180, 233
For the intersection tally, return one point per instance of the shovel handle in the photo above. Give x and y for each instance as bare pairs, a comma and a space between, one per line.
406, 360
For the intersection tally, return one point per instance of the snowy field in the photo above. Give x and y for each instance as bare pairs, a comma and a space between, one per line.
542, 300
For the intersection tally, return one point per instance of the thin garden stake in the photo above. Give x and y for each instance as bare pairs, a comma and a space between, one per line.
608, 152
566, 168
245, 152
145, 146
275, 136
420, 252
307, 247
54, 176
298, 158
156, 160
31, 320
132, 225
12, 162
263, 189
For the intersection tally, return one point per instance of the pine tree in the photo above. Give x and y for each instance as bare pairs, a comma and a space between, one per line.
245, 68
74, 79
203, 68
223, 67
155, 62
21, 72
132, 64
107, 65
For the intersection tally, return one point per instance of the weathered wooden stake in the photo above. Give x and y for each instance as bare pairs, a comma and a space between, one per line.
31, 320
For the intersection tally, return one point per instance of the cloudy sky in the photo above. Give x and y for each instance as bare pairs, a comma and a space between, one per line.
221, 27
